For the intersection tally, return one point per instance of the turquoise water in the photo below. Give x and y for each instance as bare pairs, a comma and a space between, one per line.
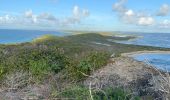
18, 36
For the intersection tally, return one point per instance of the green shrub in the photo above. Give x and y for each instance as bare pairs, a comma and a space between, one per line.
3, 71
38, 61
91, 62
39, 68
4, 68
83, 93
76, 93
86, 65
52, 59
114, 94
44, 62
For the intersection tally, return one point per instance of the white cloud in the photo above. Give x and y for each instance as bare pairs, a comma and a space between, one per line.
79, 13
76, 17
6, 19
76, 11
130, 13
47, 16
34, 19
165, 24
43, 16
28, 14
29, 18
129, 16
119, 6
145, 21
125, 15
164, 10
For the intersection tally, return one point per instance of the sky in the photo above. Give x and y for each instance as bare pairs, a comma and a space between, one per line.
87, 15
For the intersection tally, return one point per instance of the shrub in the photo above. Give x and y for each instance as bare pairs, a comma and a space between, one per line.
54, 60
39, 68
3, 71
38, 61
114, 94
82, 93
83, 67
75, 93
43, 62
3, 68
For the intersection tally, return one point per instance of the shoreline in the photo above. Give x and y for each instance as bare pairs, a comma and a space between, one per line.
131, 54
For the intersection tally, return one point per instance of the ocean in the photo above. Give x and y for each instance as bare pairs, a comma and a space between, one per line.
149, 39
18, 36
161, 61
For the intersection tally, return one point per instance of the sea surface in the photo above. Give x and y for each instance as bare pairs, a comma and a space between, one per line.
161, 61
19, 36
149, 39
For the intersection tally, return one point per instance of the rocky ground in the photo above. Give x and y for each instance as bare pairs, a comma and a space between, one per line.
143, 79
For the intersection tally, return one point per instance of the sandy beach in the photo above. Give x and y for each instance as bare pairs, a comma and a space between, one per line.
131, 54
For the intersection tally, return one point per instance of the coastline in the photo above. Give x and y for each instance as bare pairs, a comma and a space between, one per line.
131, 54
130, 73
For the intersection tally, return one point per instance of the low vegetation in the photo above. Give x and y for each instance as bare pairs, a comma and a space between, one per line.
74, 57
80, 93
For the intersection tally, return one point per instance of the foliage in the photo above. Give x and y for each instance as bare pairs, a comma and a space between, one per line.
42, 56
76, 93
38, 62
114, 94
78, 57
82, 93
85, 66
92, 62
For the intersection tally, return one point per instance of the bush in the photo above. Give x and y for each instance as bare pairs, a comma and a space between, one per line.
38, 61
114, 94
82, 93
52, 59
3, 71
85, 66
75, 93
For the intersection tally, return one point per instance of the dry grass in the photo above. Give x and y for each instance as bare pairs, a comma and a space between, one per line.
16, 80
161, 81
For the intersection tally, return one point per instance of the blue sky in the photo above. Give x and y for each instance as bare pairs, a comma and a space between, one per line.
97, 15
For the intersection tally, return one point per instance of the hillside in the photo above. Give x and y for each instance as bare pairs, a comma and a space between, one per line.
83, 42
55, 67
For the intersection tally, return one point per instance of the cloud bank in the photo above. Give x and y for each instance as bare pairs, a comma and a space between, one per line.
129, 16
164, 10
154, 20
29, 18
